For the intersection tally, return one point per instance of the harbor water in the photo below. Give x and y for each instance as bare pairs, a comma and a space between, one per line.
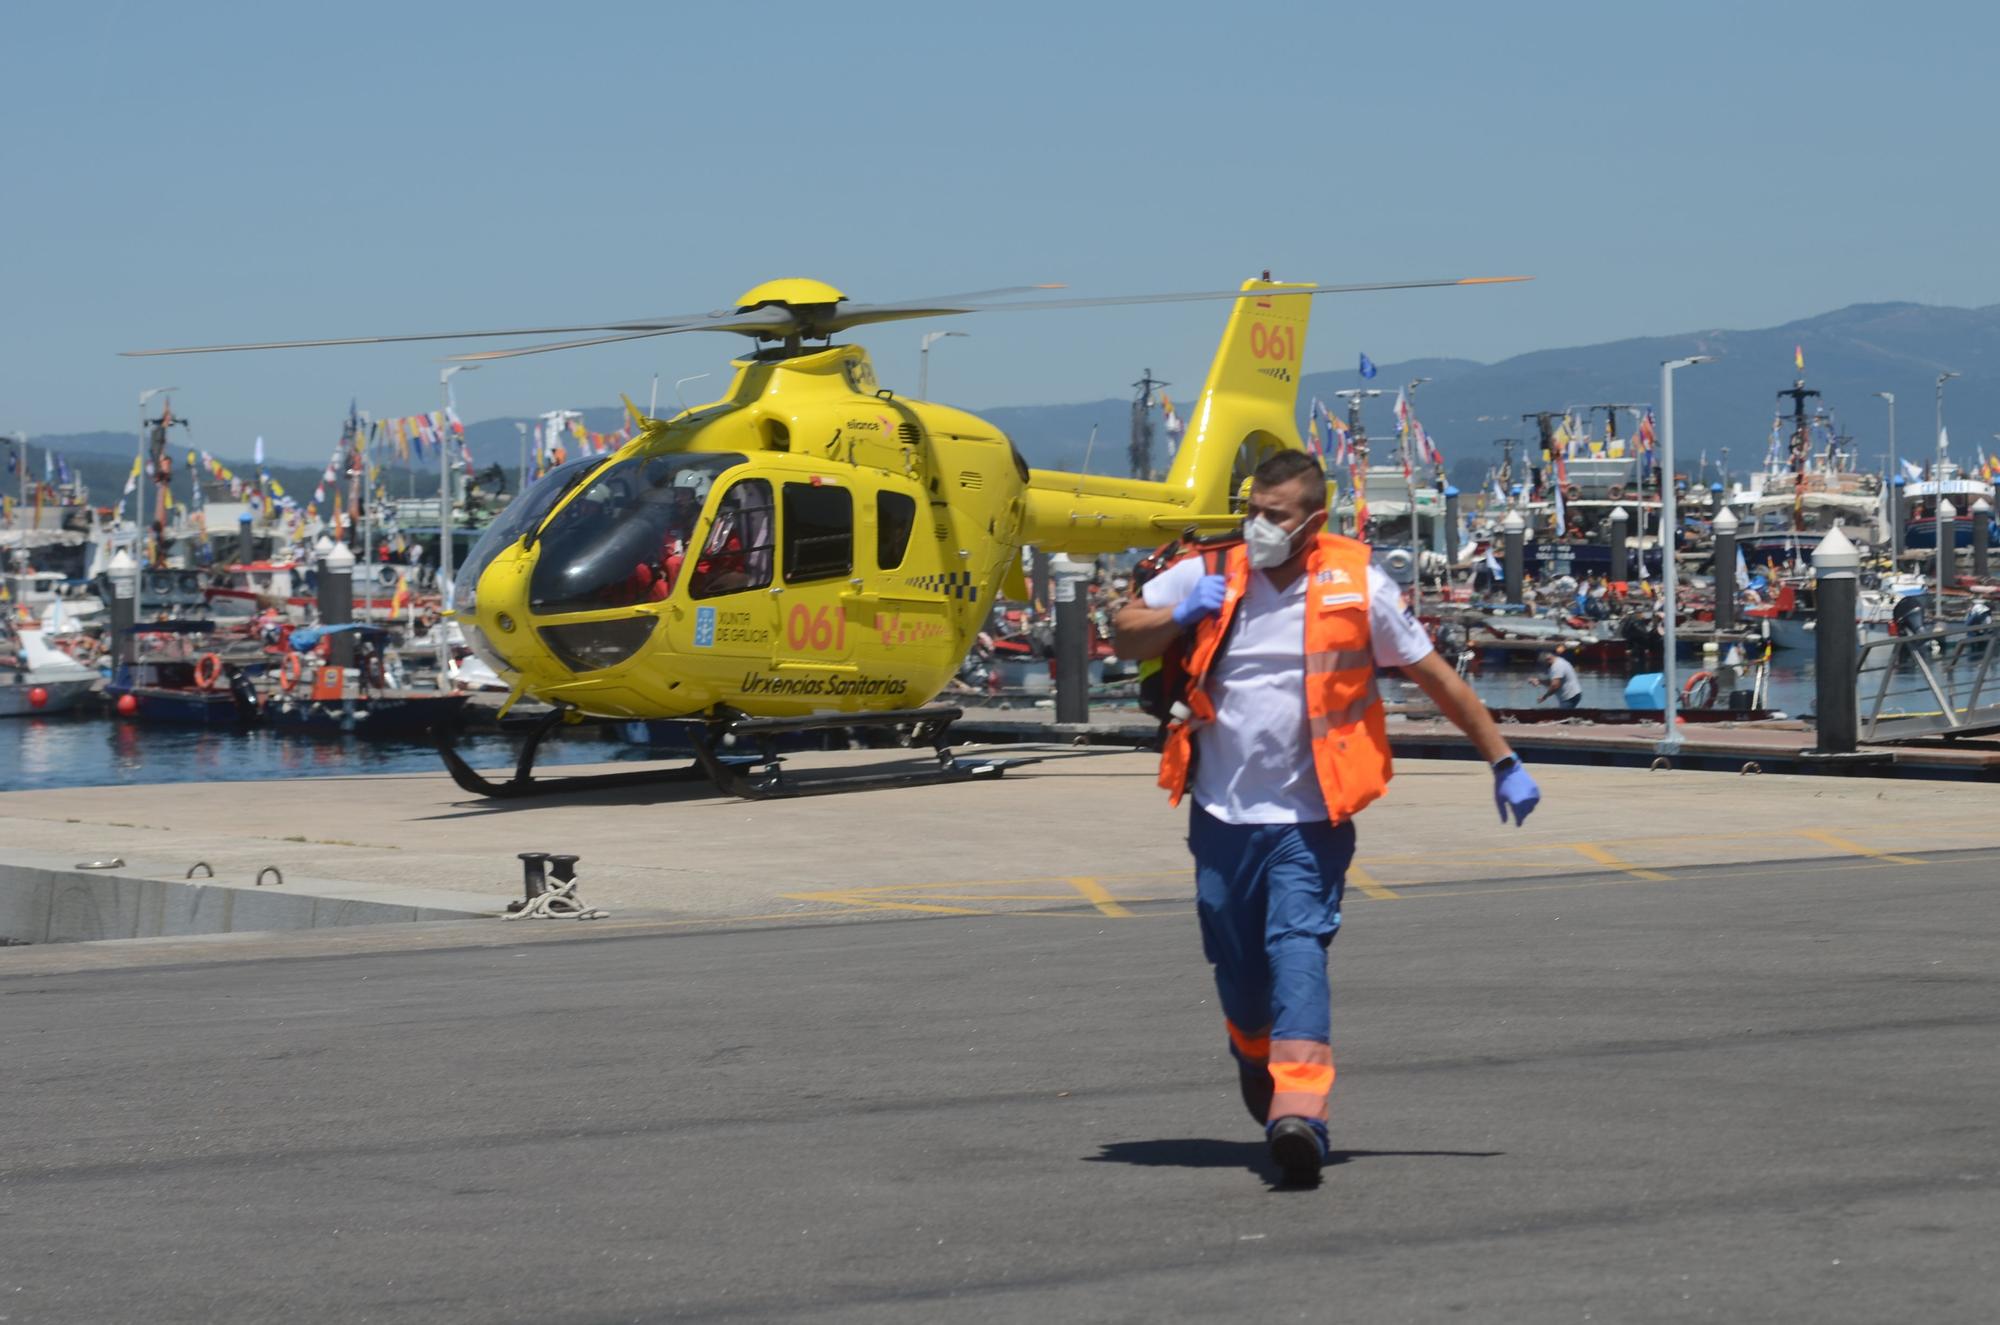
85, 750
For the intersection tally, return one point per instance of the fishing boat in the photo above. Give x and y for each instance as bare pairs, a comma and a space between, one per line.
1571, 501
1809, 485
1963, 490
310, 694
176, 680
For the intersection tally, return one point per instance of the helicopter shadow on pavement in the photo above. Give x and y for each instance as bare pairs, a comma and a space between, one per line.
700, 790
1202, 1152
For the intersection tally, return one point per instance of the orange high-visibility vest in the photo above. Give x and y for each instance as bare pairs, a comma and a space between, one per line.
1350, 744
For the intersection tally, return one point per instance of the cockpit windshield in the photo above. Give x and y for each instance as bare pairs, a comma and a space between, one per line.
624, 538
520, 516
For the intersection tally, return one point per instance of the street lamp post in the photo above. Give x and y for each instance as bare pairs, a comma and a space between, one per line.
1416, 540
1670, 740
1890, 396
1937, 478
680, 382
924, 360
445, 485
1890, 478
444, 526
1411, 397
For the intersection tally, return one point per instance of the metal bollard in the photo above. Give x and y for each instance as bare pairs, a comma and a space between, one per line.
563, 868
1072, 649
1836, 658
1947, 552
336, 600
1450, 531
534, 879
1513, 531
1725, 570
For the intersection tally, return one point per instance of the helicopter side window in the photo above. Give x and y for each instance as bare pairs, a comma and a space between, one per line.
737, 553
895, 517
819, 532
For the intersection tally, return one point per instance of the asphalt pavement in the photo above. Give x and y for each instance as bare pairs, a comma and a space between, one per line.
1762, 1092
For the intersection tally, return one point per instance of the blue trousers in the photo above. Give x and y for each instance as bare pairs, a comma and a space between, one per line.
1268, 897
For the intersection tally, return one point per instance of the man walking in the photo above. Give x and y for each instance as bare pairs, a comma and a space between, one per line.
1282, 743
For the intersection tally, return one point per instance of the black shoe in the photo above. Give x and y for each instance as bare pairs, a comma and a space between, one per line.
1255, 1080
1295, 1149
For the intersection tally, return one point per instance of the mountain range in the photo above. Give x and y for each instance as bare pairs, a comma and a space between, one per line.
1850, 354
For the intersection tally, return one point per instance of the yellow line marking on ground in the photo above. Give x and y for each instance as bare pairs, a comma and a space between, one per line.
1709, 876
1592, 851
1094, 893
1853, 848
642, 925
873, 904
1366, 883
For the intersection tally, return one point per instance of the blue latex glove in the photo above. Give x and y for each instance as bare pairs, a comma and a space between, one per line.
1204, 601
1515, 789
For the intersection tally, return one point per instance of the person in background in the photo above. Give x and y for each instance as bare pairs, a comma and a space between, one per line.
1560, 682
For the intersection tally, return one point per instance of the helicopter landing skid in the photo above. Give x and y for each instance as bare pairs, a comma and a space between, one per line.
762, 777
752, 776
524, 782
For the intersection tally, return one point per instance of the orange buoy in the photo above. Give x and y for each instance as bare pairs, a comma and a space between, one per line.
38, 698
127, 705
1699, 692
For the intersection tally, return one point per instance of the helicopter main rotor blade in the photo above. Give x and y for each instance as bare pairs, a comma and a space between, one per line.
636, 324
647, 325
763, 323
863, 314
779, 321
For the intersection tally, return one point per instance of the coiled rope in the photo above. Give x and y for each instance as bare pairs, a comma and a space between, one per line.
557, 902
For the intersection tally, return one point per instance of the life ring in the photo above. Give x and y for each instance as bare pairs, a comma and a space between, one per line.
1702, 684
1617, 491
207, 671
290, 671
1571, 492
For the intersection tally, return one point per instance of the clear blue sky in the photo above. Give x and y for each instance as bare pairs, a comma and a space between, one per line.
184, 174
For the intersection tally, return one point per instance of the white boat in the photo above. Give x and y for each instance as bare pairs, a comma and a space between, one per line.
39, 668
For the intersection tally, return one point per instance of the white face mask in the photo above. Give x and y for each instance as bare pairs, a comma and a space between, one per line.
1269, 544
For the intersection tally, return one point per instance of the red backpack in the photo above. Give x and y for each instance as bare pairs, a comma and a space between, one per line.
1166, 685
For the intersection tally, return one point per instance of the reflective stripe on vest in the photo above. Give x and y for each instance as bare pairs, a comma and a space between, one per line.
1350, 744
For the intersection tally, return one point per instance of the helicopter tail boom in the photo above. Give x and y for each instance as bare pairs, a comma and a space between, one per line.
1247, 410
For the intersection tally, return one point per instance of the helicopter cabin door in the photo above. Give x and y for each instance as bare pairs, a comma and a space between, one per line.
730, 583
816, 566
898, 611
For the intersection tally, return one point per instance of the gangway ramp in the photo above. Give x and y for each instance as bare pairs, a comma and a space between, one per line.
1938, 683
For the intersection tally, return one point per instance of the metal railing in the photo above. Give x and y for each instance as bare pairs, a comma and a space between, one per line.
1939, 683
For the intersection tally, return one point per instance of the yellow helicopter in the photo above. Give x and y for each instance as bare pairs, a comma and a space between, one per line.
813, 550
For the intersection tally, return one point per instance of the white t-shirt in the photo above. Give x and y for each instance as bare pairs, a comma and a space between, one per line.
1254, 762
1561, 670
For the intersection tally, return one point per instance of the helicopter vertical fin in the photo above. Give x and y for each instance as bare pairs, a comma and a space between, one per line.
1248, 407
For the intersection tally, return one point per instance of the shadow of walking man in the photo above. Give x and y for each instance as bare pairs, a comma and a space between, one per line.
1210, 1153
